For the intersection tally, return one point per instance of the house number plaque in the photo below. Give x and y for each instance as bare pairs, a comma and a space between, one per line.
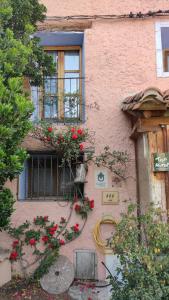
110, 197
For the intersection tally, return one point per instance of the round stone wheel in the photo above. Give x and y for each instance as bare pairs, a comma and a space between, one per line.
60, 276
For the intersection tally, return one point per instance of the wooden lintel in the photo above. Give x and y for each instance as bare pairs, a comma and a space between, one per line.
67, 25
148, 125
148, 129
155, 121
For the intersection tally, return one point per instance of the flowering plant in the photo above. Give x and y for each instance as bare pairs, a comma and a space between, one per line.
46, 232
45, 239
85, 207
69, 141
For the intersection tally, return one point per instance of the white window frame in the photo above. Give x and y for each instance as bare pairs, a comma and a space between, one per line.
159, 50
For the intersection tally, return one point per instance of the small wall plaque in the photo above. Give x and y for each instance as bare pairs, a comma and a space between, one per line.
161, 162
101, 178
110, 197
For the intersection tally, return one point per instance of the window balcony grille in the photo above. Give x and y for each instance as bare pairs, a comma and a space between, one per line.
59, 100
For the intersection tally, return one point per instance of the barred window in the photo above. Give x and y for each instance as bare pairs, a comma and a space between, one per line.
44, 177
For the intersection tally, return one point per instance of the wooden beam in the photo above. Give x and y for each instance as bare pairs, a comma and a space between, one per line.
155, 121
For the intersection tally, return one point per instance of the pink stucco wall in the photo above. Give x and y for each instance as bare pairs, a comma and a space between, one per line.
120, 60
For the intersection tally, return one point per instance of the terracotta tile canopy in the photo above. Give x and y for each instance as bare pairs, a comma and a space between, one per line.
149, 99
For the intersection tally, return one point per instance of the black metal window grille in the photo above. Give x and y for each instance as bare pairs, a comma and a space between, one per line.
48, 179
66, 105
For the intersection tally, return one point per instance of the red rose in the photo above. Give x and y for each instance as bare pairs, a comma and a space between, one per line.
76, 228
77, 207
13, 255
77, 225
32, 242
53, 229
61, 242
45, 218
74, 137
15, 243
81, 147
50, 129
51, 232
72, 129
45, 239
80, 131
91, 204
48, 139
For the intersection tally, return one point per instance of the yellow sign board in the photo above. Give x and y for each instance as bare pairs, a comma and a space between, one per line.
110, 197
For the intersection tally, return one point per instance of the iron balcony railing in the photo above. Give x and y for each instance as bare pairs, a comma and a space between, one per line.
60, 99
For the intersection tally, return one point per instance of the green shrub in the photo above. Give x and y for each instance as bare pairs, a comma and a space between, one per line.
6, 206
142, 245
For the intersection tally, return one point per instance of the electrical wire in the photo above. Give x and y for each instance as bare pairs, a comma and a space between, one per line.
131, 15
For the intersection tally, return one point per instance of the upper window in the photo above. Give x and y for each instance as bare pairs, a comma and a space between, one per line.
62, 91
162, 48
60, 97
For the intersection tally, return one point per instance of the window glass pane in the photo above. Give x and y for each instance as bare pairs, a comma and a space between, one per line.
50, 107
165, 37
71, 61
71, 107
35, 100
50, 97
165, 47
71, 84
50, 85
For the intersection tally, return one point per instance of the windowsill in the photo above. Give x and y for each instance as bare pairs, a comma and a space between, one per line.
162, 74
46, 199
62, 121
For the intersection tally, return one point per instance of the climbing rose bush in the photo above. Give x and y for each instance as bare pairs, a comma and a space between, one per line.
41, 231
70, 141
84, 207
45, 239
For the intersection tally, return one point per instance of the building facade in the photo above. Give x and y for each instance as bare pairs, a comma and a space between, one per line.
112, 61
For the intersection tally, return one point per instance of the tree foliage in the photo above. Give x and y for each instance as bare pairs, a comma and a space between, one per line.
20, 55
